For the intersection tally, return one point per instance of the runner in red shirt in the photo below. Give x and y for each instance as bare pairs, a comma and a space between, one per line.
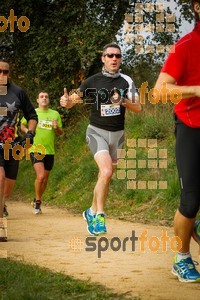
182, 70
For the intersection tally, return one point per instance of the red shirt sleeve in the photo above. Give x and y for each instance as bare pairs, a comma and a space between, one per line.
176, 63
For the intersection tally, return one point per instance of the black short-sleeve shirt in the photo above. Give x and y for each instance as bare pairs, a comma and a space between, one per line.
97, 91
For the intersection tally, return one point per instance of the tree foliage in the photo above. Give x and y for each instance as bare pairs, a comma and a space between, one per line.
63, 43
145, 66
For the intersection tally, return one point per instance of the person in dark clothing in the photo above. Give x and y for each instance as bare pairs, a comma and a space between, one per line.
109, 93
12, 100
181, 71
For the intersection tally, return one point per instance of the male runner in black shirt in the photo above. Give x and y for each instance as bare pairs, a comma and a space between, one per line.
109, 92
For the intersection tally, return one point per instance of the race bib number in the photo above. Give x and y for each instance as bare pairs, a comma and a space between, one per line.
110, 110
45, 124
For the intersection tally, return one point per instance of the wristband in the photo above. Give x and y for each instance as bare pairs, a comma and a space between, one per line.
31, 132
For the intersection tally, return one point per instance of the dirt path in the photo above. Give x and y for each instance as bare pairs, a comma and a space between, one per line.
47, 240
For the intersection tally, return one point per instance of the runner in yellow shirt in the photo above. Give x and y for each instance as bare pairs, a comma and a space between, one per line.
43, 150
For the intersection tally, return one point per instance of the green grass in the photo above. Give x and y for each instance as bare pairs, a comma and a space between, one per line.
71, 184
74, 175
24, 282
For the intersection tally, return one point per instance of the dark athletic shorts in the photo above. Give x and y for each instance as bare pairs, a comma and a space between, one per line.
47, 160
11, 165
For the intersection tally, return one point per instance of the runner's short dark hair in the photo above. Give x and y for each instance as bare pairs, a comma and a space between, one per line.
42, 91
4, 60
112, 45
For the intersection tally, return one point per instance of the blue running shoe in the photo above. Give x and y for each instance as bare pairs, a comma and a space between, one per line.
100, 224
197, 230
185, 270
90, 219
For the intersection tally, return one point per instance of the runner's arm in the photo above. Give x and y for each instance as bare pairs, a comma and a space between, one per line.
166, 83
32, 125
58, 130
23, 128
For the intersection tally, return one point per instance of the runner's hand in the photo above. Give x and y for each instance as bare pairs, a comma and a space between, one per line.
116, 98
29, 135
54, 124
64, 100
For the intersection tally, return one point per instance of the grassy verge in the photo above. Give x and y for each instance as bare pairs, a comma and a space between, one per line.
70, 185
25, 282
74, 174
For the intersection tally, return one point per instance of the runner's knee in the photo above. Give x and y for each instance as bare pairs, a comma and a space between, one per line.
106, 173
40, 177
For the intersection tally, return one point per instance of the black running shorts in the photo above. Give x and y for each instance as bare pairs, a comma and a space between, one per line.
10, 166
47, 160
